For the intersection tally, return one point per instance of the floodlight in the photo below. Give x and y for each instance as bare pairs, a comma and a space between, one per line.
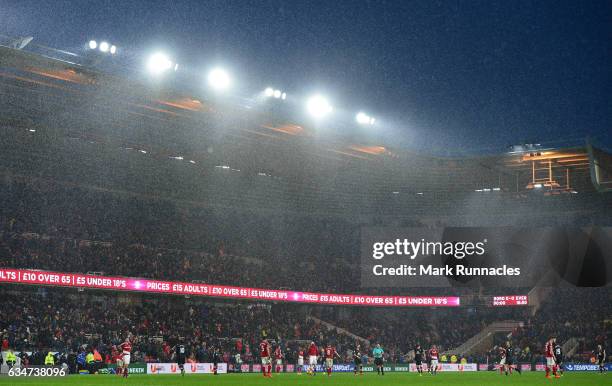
104, 47
277, 94
113, 49
318, 106
93, 44
219, 79
364, 119
269, 92
158, 63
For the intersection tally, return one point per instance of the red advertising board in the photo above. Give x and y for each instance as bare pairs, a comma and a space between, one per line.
77, 280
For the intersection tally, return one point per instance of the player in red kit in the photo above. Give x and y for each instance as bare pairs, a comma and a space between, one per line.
433, 357
126, 350
549, 353
278, 357
265, 353
330, 353
117, 358
313, 352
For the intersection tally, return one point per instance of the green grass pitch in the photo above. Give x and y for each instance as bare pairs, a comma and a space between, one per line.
404, 379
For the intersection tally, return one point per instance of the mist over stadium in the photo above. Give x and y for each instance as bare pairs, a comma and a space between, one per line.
243, 193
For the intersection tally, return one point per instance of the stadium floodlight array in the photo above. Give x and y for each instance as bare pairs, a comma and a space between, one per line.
364, 119
219, 79
275, 93
103, 47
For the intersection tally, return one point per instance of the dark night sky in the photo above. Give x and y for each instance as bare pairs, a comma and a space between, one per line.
469, 75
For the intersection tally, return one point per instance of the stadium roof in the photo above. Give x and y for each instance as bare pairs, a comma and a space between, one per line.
65, 101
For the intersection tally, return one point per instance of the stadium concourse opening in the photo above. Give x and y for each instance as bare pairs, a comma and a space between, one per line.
332, 203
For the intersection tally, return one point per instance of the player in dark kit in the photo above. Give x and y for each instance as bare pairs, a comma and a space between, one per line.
216, 358
357, 360
559, 357
418, 359
180, 354
510, 354
601, 358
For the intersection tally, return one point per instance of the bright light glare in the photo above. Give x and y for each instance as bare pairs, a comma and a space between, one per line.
158, 63
318, 106
113, 49
93, 44
364, 119
219, 79
104, 46
276, 93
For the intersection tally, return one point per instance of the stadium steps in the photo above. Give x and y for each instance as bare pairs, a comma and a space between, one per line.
484, 339
569, 348
538, 295
338, 329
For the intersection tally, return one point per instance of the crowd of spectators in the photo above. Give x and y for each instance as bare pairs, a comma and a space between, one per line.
79, 230
401, 330
36, 251
70, 323
60, 320
585, 314
84, 231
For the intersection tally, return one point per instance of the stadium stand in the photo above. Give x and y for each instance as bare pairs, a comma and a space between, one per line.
101, 175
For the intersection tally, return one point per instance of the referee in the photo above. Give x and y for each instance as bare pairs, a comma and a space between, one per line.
378, 359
